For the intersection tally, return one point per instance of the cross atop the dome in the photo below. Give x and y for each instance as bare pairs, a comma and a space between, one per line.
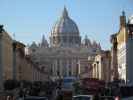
65, 13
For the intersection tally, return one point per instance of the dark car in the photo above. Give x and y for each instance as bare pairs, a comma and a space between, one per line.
35, 98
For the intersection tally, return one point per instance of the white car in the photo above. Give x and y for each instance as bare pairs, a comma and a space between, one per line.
83, 97
127, 98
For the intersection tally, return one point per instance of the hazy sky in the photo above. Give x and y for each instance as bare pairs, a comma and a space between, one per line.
30, 19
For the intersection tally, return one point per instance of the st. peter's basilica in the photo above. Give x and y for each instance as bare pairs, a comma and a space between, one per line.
66, 54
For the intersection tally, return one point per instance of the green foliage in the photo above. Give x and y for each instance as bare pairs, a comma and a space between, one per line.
11, 84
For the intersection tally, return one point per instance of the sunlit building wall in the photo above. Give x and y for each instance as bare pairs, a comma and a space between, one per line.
101, 68
6, 53
124, 49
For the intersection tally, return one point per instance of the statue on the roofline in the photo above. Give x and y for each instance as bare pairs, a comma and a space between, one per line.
1, 28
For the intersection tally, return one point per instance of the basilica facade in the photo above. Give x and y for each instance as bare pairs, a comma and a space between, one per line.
66, 54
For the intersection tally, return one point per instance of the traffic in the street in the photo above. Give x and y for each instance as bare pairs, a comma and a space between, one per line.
68, 88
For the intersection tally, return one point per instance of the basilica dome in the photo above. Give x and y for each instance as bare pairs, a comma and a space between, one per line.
65, 32
65, 25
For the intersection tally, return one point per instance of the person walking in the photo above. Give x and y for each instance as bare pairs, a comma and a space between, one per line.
59, 94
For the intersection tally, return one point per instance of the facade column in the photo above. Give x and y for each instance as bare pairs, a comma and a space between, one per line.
79, 68
114, 61
67, 70
53, 68
93, 70
14, 60
72, 67
102, 73
60, 70
95, 73
98, 70
1, 61
56, 68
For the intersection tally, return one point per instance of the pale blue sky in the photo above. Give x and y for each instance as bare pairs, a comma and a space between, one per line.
30, 19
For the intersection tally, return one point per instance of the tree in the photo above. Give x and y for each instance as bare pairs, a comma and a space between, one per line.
11, 84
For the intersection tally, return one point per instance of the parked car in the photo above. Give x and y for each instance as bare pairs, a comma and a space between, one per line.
34, 98
82, 97
108, 98
126, 92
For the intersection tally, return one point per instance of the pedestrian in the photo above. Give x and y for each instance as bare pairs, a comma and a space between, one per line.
96, 97
8, 98
60, 95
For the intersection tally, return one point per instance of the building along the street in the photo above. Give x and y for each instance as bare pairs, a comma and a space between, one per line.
6, 53
101, 68
114, 62
24, 68
123, 50
14, 63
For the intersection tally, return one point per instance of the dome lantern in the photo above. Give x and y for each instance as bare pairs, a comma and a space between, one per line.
65, 13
